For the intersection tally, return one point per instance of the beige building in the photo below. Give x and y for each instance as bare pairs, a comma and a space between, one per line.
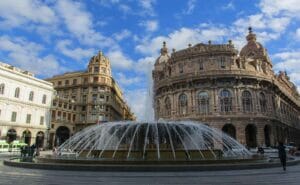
85, 98
237, 92
25, 103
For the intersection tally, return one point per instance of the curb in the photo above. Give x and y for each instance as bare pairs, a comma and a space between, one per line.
145, 168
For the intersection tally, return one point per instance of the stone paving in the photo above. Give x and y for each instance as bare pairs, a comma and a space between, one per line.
20, 176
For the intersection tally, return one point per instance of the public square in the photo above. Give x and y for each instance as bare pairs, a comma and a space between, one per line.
23, 176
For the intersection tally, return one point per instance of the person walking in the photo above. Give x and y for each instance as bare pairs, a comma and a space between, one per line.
282, 155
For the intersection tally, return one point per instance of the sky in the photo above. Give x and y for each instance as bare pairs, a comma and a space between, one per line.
50, 37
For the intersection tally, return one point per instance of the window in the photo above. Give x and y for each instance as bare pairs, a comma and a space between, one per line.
13, 116
201, 65
183, 102
42, 120
67, 82
83, 108
84, 98
44, 99
96, 79
17, 92
101, 97
96, 69
74, 81
262, 102
225, 101
168, 106
59, 82
28, 118
94, 97
31, 94
103, 70
2, 87
203, 102
85, 80
102, 79
222, 62
247, 101
180, 68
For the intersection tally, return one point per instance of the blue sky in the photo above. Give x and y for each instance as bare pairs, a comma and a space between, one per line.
49, 37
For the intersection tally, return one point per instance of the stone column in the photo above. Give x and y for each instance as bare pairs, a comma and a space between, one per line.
260, 135
240, 133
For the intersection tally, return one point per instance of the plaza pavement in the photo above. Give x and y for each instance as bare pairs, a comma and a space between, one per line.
22, 176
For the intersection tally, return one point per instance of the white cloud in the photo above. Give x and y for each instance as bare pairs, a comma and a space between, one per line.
138, 102
297, 34
65, 47
229, 6
122, 35
27, 55
126, 80
289, 61
150, 25
147, 7
17, 13
119, 61
191, 4
289, 8
79, 22
179, 39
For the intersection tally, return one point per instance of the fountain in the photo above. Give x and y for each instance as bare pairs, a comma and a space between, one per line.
153, 141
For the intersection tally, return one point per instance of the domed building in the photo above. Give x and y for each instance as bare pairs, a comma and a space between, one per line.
237, 92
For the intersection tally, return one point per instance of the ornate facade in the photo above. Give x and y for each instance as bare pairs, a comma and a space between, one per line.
236, 92
85, 98
25, 103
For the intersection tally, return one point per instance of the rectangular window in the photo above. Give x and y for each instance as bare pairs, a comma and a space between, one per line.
59, 82
84, 98
103, 70
67, 82
42, 120
74, 117
85, 80
201, 66
222, 62
44, 99
96, 79
13, 116
180, 68
28, 118
94, 97
96, 69
74, 81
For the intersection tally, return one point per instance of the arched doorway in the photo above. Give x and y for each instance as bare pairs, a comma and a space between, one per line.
39, 140
230, 130
267, 133
251, 135
27, 137
62, 134
11, 135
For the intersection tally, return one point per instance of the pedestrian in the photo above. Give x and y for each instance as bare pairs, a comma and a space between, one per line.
282, 155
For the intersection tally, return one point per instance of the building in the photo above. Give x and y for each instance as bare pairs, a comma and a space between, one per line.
85, 98
25, 103
237, 92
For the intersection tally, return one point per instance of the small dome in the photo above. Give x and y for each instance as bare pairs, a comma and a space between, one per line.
252, 48
164, 57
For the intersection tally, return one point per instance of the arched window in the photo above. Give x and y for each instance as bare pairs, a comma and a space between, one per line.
2, 87
167, 106
31, 96
17, 92
262, 102
203, 102
225, 101
183, 102
44, 99
247, 101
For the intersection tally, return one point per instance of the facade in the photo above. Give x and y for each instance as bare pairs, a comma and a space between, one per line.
25, 103
85, 98
236, 92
